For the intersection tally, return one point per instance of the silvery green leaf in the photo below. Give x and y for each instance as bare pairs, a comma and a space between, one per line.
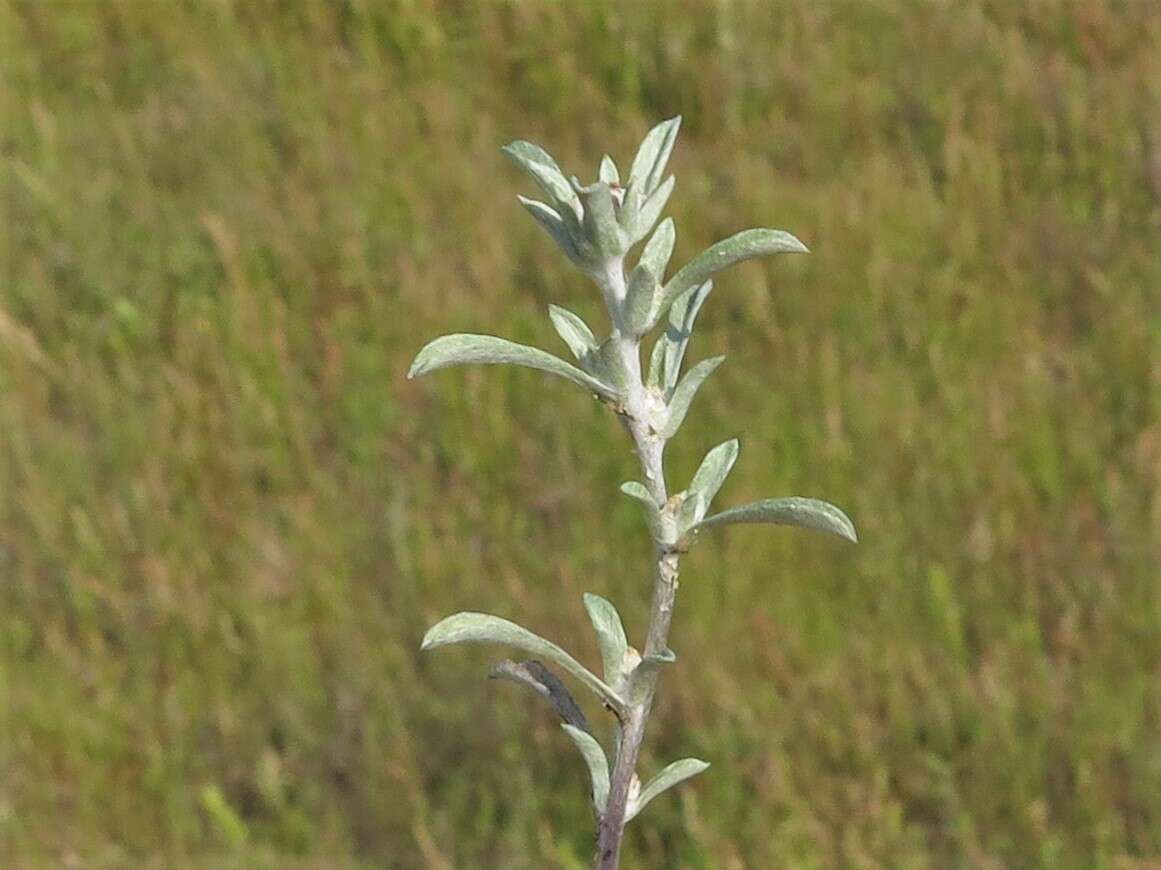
742, 246
652, 156
539, 164
677, 772
550, 219
637, 491
650, 211
607, 364
669, 349
535, 676
608, 171
468, 349
684, 393
807, 513
598, 764
643, 287
690, 512
682, 316
610, 635
471, 627
573, 331
659, 248
712, 472
600, 220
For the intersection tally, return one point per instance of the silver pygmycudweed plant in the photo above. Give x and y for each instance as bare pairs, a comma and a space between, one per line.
596, 226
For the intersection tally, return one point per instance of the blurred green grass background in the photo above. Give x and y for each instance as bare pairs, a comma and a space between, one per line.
227, 519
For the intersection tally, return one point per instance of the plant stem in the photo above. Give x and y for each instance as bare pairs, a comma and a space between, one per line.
650, 450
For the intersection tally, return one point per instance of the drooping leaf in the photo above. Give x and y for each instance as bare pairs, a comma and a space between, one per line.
684, 393
610, 635
573, 331
608, 171
469, 349
807, 513
598, 764
637, 491
533, 675
671, 775
539, 164
742, 246
712, 472
471, 627
653, 155
550, 219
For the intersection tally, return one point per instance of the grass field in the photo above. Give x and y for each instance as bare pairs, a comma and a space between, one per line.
227, 519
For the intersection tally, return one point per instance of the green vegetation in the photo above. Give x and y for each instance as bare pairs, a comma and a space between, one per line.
227, 518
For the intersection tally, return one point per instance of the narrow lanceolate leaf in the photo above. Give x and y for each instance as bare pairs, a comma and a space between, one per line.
598, 764
807, 513
677, 772
573, 331
608, 171
684, 393
712, 472
682, 316
610, 635
653, 155
550, 219
535, 676
600, 220
645, 217
659, 248
468, 349
643, 287
637, 491
539, 164
743, 246
471, 627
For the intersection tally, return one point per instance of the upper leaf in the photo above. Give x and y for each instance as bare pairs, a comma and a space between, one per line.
608, 171
711, 474
742, 246
684, 393
671, 775
639, 222
468, 627
573, 331
600, 223
637, 491
610, 635
642, 289
550, 219
652, 156
539, 164
807, 513
469, 349
669, 351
